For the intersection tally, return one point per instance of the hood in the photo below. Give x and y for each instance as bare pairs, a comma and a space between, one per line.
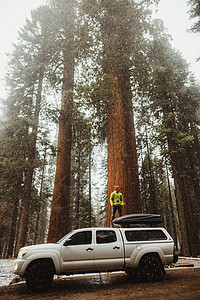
41, 246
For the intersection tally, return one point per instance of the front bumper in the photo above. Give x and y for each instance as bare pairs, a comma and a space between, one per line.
19, 266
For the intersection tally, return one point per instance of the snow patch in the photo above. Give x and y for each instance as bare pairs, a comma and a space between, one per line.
6, 271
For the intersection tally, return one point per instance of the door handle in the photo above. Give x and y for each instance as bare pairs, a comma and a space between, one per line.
116, 248
89, 249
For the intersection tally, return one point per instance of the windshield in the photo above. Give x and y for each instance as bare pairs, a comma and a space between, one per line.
60, 241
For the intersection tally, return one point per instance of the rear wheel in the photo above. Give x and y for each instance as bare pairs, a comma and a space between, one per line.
150, 268
39, 275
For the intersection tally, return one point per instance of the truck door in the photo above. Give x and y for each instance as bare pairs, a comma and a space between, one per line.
78, 252
109, 253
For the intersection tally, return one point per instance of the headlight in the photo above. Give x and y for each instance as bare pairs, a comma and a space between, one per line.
21, 254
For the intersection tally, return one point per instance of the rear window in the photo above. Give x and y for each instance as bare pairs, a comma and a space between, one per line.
145, 235
106, 236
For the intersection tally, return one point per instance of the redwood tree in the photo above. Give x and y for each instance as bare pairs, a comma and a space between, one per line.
121, 27
60, 209
122, 155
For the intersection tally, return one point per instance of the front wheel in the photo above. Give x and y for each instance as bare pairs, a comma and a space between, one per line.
39, 275
150, 268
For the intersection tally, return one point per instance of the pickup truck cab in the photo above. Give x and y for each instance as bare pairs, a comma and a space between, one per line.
143, 251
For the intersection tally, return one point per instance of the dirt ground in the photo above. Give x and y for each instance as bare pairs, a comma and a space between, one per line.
181, 282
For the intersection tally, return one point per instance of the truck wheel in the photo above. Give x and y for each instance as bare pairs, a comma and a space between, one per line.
150, 268
39, 275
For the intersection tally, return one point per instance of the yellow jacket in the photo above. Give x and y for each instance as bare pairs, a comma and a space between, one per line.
116, 198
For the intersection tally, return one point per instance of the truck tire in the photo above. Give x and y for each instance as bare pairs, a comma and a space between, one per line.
150, 268
39, 275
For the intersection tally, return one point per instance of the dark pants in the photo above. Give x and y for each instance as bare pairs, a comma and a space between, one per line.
115, 208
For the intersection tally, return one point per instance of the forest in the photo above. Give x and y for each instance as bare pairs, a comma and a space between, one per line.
89, 80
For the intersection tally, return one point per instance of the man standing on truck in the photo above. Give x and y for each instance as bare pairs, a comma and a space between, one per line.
116, 201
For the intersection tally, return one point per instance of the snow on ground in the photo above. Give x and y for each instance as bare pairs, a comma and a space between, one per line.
6, 271
7, 268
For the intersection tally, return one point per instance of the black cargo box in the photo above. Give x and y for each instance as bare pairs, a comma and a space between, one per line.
138, 219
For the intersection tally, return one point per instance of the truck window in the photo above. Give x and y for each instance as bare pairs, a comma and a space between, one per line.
81, 238
106, 236
144, 235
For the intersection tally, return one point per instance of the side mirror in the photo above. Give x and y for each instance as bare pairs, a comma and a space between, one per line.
67, 242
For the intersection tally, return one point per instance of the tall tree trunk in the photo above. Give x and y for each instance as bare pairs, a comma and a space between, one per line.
77, 222
40, 207
172, 212
24, 219
60, 210
90, 191
117, 21
13, 228
189, 237
194, 180
15, 215
153, 208
193, 236
122, 155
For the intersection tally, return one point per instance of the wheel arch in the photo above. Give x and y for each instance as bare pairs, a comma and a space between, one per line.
153, 252
47, 260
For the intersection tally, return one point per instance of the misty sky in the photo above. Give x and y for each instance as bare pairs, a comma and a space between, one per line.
174, 13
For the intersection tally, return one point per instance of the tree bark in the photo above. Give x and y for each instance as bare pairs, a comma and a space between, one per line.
122, 155
90, 191
41, 208
60, 210
152, 207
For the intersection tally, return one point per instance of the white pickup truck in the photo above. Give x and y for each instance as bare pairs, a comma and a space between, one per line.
143, 251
